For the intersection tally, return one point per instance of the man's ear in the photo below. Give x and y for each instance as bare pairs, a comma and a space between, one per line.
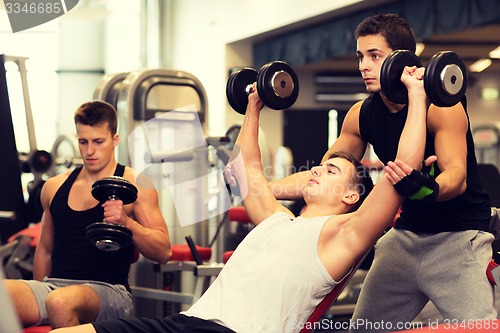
116, 139
350, 198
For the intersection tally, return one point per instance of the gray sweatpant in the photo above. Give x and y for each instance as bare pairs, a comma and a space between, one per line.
409, 269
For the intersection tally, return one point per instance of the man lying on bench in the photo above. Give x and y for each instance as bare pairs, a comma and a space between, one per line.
286, 265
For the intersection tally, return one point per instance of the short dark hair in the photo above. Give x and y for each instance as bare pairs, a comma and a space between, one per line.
95, 113
362, 181
396, 31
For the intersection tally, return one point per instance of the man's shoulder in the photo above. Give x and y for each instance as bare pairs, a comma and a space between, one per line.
139, 179
357, 106
54, 183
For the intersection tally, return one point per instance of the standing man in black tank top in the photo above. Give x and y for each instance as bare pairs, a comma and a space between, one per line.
74, 282
440, 246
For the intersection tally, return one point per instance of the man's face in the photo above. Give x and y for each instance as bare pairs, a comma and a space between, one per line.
331, 179
96, 145
371, 52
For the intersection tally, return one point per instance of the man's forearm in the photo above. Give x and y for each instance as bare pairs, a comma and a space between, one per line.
246, 157
41, 266
151, 243
414, 130
451, 183
290, 188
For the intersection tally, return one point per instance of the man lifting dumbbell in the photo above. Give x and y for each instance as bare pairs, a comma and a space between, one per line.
75, 281
440, 246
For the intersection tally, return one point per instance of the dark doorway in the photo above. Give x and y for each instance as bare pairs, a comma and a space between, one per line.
305, 132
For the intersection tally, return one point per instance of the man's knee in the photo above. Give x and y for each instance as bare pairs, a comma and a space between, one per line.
59, 301
72, 305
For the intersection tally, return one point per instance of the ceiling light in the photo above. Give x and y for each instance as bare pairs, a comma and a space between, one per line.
480, 65
420, 49
495, 53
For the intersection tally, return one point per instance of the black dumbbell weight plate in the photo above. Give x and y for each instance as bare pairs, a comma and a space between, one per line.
236, 88
278, 85
40, 161
445, 79
114, 186
390, 75
108, 236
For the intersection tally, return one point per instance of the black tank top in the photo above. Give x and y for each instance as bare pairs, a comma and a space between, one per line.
468, 211
73, 255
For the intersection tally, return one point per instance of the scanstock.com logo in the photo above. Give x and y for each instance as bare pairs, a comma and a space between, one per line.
26, 14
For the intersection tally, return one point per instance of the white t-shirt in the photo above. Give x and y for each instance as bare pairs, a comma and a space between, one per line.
273, 281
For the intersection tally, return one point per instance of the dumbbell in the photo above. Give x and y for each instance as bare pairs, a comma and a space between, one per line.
277, 85
109, 236
445, 77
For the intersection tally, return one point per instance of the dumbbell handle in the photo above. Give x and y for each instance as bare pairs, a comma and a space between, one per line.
284, 89
249, 89
112, 197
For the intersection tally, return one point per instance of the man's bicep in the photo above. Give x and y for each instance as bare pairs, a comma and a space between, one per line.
450, 127
147, 211
450, 154
450, 141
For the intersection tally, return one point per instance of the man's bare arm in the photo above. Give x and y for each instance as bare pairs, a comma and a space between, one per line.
349, 140
379, 208
450, 125
258, 199
42, 261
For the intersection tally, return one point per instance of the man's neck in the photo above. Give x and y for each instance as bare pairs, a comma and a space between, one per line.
93, 175
392, 107
314, 210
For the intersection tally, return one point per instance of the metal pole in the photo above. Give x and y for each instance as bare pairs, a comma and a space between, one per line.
21, 65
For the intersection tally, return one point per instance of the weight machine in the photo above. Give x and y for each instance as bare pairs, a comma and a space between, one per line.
487, 142
161, 116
